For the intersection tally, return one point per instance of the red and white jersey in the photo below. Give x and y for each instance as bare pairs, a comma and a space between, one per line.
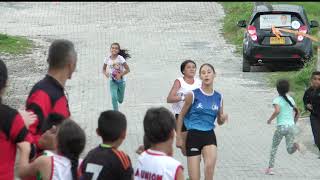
156, 165
61, 167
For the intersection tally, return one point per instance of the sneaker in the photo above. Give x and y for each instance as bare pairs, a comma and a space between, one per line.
269, 171
300, 147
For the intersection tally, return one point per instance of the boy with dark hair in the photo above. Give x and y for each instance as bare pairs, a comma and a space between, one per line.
157, 162
106, 161
311, 100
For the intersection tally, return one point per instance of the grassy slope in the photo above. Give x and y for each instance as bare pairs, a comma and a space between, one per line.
14, 44
236, 11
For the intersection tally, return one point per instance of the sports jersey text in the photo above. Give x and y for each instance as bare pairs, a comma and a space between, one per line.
147, 175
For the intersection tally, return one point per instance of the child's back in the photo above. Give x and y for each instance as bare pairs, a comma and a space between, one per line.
104, 162
156, 164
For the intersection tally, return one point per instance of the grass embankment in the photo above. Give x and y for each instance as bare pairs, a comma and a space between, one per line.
14, 44
299, 80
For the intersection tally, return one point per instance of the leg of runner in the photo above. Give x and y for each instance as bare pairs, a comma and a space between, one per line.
210, 157
114, 95
121, 90
277, 137
194, 167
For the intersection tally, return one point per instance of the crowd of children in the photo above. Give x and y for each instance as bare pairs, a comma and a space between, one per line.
50, 143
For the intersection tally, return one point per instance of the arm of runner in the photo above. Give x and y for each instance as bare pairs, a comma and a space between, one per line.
172, 96
126, 71
105, 70
275, 113
222, 118
184, 110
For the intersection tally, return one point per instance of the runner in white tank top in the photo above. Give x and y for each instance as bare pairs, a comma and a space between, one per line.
184, 89
156, 165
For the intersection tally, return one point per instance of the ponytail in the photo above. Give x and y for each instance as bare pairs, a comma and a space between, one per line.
290, 103
71, 142
74, 165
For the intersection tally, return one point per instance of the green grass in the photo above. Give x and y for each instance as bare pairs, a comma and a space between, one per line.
299, 80
14, 44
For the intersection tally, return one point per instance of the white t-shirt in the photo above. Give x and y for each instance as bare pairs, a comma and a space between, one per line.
156, 165
116, 64
61, 169
185, 88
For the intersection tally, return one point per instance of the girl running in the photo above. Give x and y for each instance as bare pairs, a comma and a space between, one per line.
13, 130
201, 108
179, 90
63, 165
115, 67
284, 106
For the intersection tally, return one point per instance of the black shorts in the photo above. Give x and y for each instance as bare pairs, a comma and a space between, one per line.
196, 140
183, 126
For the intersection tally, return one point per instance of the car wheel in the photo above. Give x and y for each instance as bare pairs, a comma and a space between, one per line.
245, 65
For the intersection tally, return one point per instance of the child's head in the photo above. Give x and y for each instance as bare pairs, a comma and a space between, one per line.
159, 125
112, 126
207, 74
283, 87
3, 77
71, 142
315, 79
116, 50
188, 68
49, 129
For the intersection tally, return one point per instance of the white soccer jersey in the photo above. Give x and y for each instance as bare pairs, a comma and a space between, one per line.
185, 88
156, 165
61, 167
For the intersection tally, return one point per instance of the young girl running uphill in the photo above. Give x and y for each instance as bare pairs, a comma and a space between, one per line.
284, 106
63, 165
179, 90
202, 107
115, 67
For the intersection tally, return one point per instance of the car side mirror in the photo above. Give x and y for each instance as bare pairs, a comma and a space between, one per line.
314, 24
242, 23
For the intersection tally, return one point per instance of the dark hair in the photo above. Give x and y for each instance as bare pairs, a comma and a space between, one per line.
315, 73
206, 64
53, 119
184, 63
111, 124
59, 51
158, 123
3, 76
283, 87
122, 52
71, 142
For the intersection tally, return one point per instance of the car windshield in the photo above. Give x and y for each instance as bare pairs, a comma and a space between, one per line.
266, 21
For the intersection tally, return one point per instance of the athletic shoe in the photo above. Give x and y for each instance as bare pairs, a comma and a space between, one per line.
269, 171
300, 147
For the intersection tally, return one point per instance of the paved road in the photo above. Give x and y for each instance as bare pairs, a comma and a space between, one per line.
160, 35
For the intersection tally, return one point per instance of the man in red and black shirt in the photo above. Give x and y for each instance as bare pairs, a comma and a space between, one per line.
48, 95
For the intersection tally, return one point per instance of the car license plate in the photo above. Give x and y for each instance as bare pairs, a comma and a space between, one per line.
275, 40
